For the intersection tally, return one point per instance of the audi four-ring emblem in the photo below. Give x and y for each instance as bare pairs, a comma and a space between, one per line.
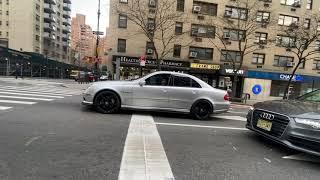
267, 116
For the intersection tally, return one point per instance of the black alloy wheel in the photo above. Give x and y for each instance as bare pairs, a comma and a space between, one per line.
107, 102
201, 110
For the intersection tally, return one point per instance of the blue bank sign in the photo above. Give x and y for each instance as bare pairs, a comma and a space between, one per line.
281, 76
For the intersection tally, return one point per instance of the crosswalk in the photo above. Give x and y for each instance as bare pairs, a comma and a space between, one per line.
14, 95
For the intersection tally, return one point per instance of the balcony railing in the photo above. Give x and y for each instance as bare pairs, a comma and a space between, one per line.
49, 18
67, 1
66, 29
51, 1
49, 8
66, 22
66, 7
67, 14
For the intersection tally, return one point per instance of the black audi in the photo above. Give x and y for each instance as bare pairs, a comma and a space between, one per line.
293, 123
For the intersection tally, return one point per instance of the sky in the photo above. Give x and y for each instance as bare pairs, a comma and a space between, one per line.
90, 9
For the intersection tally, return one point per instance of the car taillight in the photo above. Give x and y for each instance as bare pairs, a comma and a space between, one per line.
227, 97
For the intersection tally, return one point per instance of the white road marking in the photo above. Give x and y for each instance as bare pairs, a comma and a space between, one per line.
41, 89
234, 118
268, 160
28, 98
201, 126
303, 157
17, 102
237, 112
32, 140
33, 92
2, 108
143, 156
35, 95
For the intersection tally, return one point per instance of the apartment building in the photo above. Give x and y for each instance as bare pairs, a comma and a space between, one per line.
39, 26
267, 68
83, 39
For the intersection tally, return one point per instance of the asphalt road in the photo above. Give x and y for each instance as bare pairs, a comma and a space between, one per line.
62, 140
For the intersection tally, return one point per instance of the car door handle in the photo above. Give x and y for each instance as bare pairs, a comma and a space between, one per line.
194, 92
164, 90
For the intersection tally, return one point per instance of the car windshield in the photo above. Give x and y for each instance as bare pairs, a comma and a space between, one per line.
312, 96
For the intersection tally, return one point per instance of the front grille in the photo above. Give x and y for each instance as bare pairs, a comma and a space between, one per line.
305, 144
279, 123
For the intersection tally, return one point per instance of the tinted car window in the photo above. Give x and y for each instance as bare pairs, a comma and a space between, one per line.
195, 84
158, 80
180, 81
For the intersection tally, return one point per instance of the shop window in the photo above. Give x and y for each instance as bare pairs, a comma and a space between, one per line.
202, 31
261, 38
205, 8
176, 50
122, 43
309, 4
158, 80
230, 56
282, 61
178, 28
234, 34
258, 58
285, 41
122, 21
236, 13
285, 20
278, 88
180, 5
263, 16
201, 53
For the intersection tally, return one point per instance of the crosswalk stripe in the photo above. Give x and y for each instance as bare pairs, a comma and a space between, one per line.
17, 102
2, 108
35, 92
35, 95
234, 118
47, 89
27, 98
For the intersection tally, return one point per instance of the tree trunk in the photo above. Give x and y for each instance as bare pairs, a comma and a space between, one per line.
286, 95
234, 84
157, 60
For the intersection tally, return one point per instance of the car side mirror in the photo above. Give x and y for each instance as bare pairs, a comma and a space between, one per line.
142, 83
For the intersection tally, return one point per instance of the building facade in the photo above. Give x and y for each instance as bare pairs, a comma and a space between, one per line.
42, 27
83, 40
265, 72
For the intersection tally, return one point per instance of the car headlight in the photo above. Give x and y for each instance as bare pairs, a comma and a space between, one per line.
315, 124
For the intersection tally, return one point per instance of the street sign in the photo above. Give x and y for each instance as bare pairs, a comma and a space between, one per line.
257, 89
143, 61
100, 33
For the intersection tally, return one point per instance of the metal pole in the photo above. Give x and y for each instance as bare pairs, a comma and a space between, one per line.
98, 39
8, 64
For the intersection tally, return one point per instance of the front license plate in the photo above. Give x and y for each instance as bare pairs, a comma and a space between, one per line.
265, 125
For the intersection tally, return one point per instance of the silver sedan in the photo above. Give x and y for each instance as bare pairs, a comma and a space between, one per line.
159, 91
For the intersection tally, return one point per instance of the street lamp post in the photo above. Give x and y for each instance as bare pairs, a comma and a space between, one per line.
8, 66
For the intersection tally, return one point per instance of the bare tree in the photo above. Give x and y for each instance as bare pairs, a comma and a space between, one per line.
156, 20
302, 41
242, 30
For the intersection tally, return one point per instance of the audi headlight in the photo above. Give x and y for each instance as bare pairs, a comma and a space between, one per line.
315, 124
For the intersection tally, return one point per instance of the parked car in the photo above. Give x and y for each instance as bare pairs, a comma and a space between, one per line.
164, 91
293, 123
103, 78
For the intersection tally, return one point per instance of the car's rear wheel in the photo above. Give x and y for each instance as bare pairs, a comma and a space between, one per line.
107, 102
201, 110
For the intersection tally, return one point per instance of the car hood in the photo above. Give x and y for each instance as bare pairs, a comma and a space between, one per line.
292, 108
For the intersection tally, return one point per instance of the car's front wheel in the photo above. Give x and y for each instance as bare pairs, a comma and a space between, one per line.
201, 110
107, 102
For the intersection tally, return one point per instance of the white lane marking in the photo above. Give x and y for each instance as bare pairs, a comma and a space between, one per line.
303, 157
41, 89
35, 95
268, 160
33, 92
240, 106
28, 98
143, 156
17, 102
234, 118
201, 126
32, 140
2, 108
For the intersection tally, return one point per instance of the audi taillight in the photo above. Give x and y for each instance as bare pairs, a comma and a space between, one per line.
227, 97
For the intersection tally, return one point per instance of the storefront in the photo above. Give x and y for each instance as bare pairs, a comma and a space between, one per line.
270, 85
227, 78
209, 73
127, 68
